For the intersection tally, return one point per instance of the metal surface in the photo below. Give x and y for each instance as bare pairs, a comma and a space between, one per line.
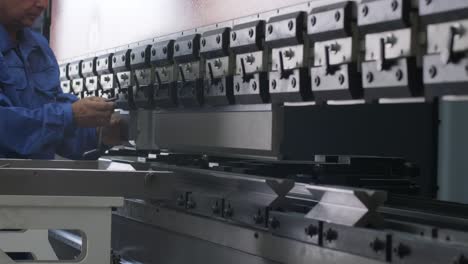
253, 242
349, 207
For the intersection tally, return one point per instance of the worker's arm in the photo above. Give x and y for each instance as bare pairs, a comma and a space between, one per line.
56, 126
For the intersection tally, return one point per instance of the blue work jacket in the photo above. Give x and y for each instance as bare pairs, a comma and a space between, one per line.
36, 117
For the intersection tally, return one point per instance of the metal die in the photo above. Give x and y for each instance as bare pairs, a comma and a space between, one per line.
381, 15
289, 78
389, 69
190, 84
335, 74
446, 62
165, 90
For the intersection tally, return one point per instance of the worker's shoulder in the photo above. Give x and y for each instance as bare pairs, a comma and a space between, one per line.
38, 39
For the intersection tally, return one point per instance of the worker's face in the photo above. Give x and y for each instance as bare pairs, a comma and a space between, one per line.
21, 13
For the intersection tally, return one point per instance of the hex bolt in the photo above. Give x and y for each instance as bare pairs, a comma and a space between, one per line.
189, 44
399, 75
251, 33
142, 54
341, 79
203, 42
165, 50
433, 71
313, 20
317, 81
337, 16
293, 82
331, 235
270, 29
311, 231
133, 56
369, 77
274, 223
377, 245
177, 47
254, 86
273, 84
365, 10
228, 212
394, 5
234, 35
291, 25
153, 52
402, 251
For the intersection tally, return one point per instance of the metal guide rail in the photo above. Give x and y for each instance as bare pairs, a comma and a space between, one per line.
318, 51
317, 218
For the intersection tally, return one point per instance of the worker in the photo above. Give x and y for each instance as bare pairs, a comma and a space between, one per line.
37, 120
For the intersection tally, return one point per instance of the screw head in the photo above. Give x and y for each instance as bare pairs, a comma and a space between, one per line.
142, 54
234, 36
291, 25
203, 42
177, 47
337, 16
218, 39
433, 71
153, 52
311, 231
251, 33
365, 10
293, 82
273, 84
313, 20
254, 86
341, 79
399, 75
317, 81
237, 87
394, 5
270, 29
369, 77
331, 235
377, 245
189, 44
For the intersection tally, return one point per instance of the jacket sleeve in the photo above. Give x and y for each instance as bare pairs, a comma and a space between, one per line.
29, 133
77, 141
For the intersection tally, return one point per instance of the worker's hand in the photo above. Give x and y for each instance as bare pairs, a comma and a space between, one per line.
116, 132
92, 112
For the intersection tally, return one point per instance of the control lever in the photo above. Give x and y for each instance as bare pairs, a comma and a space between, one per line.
245, 77
284, 73
182, 74
330, 69
448, 55
383, 63
210, 69
158, 79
